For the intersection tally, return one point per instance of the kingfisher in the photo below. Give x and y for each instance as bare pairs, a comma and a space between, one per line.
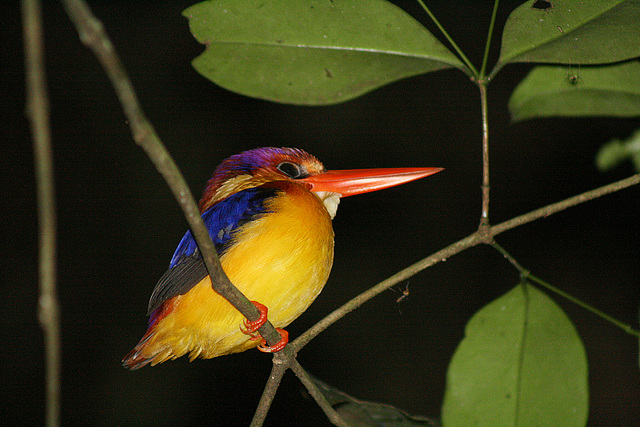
268, 212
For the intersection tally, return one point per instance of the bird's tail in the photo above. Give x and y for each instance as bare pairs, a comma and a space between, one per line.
152, 349
136, 358
156, 346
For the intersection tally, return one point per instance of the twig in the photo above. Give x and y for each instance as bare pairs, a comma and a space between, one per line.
459, 246
93, 36
484, 217
564, 204
37, 110
281, 362
317, 395
356, 302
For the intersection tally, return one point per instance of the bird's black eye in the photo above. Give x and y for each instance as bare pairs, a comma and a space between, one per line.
291, 170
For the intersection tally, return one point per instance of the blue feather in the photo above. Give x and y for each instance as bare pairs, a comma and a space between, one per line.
225, 217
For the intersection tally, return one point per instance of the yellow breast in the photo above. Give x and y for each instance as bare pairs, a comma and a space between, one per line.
281, 260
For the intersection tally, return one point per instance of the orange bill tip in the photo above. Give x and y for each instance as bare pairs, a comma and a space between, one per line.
359, 181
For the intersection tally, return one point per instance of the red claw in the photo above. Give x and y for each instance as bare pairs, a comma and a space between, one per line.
251, 327
284, 339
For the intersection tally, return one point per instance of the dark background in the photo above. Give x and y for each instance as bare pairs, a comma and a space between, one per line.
118, 227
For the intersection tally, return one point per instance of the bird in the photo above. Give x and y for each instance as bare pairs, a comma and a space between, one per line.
269, 213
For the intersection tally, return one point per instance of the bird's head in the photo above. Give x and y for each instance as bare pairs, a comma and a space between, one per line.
261, 165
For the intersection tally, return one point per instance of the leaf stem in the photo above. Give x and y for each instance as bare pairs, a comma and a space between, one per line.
468, 63
37, 110
527, 276
625, 327
487, 46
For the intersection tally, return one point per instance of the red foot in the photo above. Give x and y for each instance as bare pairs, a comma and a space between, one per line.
250, 327
284, 339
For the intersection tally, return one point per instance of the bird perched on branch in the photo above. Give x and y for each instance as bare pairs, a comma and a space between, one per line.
269, 213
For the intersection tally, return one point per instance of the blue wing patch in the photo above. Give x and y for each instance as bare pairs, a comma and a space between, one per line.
187, 268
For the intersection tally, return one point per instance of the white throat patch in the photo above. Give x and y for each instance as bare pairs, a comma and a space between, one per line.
329, 200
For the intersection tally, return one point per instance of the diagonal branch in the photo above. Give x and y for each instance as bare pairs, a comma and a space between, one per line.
567, 203
478, 237
281, 362
316, 393
92, 34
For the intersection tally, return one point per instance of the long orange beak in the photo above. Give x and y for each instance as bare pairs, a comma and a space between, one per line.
358, 181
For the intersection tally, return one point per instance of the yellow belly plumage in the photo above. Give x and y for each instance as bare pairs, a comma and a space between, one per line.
281, 259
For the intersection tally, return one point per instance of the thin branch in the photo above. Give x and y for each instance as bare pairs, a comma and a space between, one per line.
37, 110
564, 204
459, 246
315, 392
402, 275
281, 362
484, 217
92, 34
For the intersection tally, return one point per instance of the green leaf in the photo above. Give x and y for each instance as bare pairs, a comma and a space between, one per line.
361, 413
610, 90
572, 32
616, 151
521, 363
311, 52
